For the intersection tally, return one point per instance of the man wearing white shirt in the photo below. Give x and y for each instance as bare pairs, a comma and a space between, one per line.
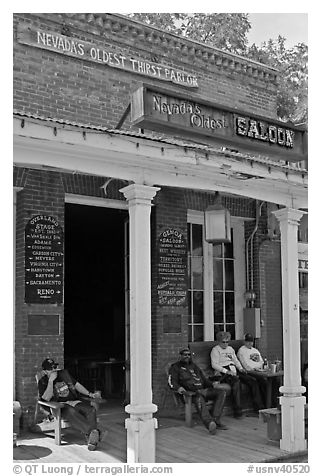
252, 361
249, 356
225, 362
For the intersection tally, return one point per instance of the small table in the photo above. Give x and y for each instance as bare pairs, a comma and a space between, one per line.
108, 364
269, 376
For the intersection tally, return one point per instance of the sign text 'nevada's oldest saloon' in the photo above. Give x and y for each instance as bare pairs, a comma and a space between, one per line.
43, 260
171, 268
84, 50
162, 111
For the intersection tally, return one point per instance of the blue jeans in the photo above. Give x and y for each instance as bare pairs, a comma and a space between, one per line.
82, 416
234, 382
200, 399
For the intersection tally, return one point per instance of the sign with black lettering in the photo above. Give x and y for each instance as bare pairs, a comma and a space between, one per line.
171, 268
84, 50
161, 110
43, 261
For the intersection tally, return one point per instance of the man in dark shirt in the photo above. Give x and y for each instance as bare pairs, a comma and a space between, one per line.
59, 386
185, 375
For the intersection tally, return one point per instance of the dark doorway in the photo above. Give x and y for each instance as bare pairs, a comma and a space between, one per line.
94, 293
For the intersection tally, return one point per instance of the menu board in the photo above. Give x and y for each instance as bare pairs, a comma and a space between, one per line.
43, 261
171, 268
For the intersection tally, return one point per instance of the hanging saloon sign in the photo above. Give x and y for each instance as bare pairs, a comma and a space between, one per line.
168, 112
43, 261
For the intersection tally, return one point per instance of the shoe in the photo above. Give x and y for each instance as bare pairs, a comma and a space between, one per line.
220, 426
93, 440
212, 428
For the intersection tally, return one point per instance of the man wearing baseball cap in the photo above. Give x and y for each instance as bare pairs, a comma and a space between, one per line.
252, 362
248, 355
59, 386
185, 375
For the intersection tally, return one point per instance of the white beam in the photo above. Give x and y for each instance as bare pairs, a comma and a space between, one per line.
155, 163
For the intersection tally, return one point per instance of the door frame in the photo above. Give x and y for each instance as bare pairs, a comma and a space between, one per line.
118, 205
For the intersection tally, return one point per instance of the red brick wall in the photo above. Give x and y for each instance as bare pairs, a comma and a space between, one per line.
170, 210
43, 193
271, 299
57, 86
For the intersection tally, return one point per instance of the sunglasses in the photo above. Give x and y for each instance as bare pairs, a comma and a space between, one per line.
225, 341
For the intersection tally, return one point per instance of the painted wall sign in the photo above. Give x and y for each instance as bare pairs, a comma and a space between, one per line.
87, 51
162, 111
171, 268
43, 260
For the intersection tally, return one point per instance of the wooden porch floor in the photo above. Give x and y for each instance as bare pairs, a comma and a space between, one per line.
244, 442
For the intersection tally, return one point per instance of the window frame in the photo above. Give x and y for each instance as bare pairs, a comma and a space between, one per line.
237, 224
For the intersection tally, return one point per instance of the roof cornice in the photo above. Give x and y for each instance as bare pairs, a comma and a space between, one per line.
111, 24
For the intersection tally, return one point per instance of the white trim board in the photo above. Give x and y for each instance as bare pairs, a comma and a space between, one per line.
95, 201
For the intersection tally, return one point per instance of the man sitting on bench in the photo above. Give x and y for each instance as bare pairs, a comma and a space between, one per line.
58, 385
230, 370
252, 361
185, 375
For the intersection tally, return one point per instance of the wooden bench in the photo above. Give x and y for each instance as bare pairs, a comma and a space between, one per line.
201, 356
201, 352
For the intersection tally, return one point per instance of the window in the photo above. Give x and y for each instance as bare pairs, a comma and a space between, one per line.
303, 280
216, 277
223, 288
196, 283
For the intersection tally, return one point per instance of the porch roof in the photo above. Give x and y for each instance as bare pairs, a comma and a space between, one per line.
155, 159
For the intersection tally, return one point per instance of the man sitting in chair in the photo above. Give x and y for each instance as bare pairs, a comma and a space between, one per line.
185, 375
59, 386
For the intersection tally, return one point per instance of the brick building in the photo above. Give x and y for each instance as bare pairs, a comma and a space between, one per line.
111, 256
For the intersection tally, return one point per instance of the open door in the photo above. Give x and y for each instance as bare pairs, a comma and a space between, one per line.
95, 322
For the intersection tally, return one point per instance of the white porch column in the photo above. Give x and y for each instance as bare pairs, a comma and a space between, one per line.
141, 424
292, 401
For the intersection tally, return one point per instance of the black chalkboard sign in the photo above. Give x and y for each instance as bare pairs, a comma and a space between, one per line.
171, 268
43, 261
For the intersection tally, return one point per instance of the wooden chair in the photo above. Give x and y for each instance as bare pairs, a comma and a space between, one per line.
185, 399
52, 410
180, 401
